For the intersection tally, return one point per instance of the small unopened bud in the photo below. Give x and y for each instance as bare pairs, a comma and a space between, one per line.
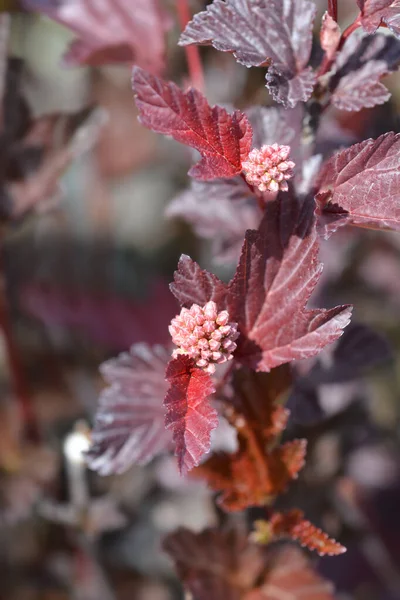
209, 343
268, 168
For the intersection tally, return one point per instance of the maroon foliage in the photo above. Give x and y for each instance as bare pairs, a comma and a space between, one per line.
222, 139
189, 413
129, 427
359, 68
262, 33
267, 296
360, 186
375, 12
215, 564
110, 31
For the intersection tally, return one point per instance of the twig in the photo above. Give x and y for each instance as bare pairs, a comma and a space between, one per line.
192, 52
333, 9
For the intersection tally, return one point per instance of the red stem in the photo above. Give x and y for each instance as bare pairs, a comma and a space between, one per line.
192, 52
327, 63
333, 9
18, 381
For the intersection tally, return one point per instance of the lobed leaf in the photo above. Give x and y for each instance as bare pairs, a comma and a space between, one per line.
358, 69
189, 412
110, 31
375, 12
129, 427
223, 139
277, 272
360, 186
193, 285
293, 525
262, 33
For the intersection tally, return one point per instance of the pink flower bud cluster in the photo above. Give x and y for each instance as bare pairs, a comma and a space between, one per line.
268, 168
205, 335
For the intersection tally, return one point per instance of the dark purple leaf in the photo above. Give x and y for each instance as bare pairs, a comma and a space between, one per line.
375, 12
189, 412
220, 211
129, 427
359, 67
262, 33
223, 140
110, 31
360, 186
277, 272
192, 285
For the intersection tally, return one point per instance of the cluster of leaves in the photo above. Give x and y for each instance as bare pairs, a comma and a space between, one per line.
277, 272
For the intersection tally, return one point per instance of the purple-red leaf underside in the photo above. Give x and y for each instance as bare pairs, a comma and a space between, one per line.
375, 12
129, 427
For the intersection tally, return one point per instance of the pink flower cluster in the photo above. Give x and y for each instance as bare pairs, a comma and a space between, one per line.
268, 168
205, 335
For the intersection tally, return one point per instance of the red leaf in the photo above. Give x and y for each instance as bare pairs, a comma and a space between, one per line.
261, 32
373, 12
360, 186
213, 564
189, 413
129, 427
329, 35
277, 272
192, 285
292, 524
291, 577
223, 139
220, 211
110, 31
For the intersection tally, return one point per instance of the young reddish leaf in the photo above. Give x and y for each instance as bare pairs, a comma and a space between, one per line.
110, 31
374, 12
360, 186
291, 577
261, 33
215, 564
254, 474
189, 412
223, 139
220, 211
277, 272
193, 285
329, 35
129, 427
292, 524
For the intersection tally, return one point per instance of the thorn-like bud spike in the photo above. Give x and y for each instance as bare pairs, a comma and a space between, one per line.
205, 335
268, 168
